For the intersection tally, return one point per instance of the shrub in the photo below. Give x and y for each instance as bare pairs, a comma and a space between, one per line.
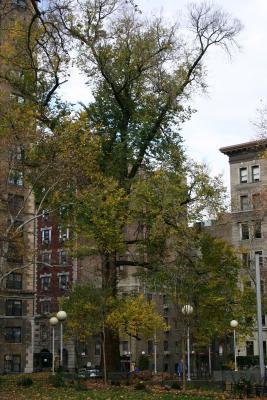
143, 362
140, 386
241, 387
176, 385
80, 386
56, 380
115, 383
26, 381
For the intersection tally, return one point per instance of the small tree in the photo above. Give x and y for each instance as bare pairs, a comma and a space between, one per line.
92, 309
88, 308
136, 317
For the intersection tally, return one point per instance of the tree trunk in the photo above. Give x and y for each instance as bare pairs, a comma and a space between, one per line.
112, 345
104, 354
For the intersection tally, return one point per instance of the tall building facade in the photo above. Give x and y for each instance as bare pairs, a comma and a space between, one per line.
55, 273
17, 225
248, 222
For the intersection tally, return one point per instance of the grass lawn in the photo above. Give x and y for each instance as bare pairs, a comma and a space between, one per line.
49, 393
41, 390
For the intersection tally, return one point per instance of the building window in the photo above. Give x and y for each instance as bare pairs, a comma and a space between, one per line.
45, 215
166, 367
245, 259
149, 297
44, 332
45, 307
243, 175
255, 173
46, 235
264, 348
165, 345
250, 348
244, 203
13, 307
13, 253
63, 281
262, 287
62, 257
46, 258
244, 231
176, 347
12, 363
16, 178
257, 229
263, 320
261, 257
13, 334
15, 203
97, 349
19, 3
16, 152
64, 234
45, 282
14, 281
150, 347
256, 200
124, 346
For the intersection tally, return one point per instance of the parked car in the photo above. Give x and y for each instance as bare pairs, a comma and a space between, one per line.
89, 373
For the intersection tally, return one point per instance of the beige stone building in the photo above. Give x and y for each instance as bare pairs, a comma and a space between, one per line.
248, 224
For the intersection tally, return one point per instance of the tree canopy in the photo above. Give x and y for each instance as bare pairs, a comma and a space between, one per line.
118, 164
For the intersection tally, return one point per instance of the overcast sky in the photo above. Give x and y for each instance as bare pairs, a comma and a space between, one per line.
236, 87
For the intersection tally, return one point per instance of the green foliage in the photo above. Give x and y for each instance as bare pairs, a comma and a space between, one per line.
205, 274
115, 383
176, 385
143, 362
119, 165
140, 386
245, 362
56, 380
84, 304
136, 317
241, 387
80, 387
26, 382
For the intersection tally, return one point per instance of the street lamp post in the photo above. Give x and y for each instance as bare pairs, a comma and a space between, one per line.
259, 315
233, 325
53, 322
155, 353
61, 316
187, 311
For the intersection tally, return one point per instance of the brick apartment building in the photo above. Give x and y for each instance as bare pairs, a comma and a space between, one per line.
55, 273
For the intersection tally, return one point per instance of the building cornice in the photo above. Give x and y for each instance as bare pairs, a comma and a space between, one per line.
252, 146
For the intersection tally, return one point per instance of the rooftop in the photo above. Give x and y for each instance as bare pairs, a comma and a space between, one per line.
255, 145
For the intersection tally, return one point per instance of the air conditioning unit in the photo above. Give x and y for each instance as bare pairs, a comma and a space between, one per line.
46, 241
45, 288
8, 358
166, 352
